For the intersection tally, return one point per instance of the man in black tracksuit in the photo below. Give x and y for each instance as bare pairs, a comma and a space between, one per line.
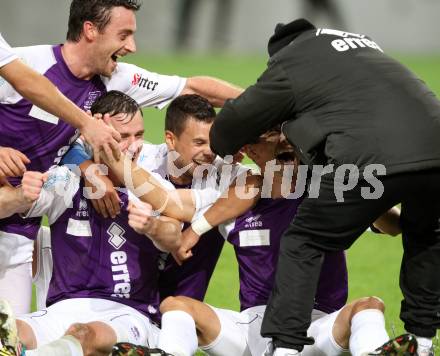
346, 104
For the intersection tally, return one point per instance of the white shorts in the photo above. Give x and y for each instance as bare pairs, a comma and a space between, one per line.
14, 250
129, 325
240, 334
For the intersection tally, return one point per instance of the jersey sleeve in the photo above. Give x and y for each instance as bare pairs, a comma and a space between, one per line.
147, 88
204, 199
56, 195
7, 55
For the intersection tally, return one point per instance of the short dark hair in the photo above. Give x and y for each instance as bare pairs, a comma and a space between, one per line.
115, 102
185, 107
95, 11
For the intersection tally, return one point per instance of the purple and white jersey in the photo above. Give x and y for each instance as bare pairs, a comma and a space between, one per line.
42, 137
256, 237
192, 278
7, 55
95, 257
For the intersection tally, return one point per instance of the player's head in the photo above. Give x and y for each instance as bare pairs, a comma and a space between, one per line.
286, 33
272, 145
126, 118
107, 26
187, 123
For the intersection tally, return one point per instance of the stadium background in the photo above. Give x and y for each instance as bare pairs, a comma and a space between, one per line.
408, 29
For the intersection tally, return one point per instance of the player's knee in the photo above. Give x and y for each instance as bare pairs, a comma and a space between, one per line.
84, 334
174, 303
26, 335
368, 303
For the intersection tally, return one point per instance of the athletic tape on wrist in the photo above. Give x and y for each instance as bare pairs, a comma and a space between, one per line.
201, 226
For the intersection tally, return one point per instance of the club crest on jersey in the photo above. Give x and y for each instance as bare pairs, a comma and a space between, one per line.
141, 82
253, 221
116, 233
93, 95
82, 209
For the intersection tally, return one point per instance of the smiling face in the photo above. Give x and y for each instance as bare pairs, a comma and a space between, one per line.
114, 41
131, 129
192, 146
272, 145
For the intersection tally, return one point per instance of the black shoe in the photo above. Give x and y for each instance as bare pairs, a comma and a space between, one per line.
127, 349
403, 345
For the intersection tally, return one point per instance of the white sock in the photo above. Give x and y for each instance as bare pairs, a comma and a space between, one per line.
423, 344
66, 346
367, 331
178, 334
281, 351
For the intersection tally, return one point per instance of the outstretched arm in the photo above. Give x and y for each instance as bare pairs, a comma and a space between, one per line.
40, 91
216, 91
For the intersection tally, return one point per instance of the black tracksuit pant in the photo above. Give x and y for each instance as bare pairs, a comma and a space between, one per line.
323, 224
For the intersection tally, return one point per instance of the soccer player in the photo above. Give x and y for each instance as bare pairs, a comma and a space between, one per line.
256, 237
84, 67
182, 160
104, 285
40, 91
350, 108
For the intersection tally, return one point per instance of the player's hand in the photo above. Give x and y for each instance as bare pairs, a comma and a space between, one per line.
109, 204
102, 137
32, 184
189, 240
141, 219
12, 163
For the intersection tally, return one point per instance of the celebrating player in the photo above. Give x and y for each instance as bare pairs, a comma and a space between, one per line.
104, 285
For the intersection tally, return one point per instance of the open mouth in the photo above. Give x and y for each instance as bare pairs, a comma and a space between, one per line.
115, 57
286, 157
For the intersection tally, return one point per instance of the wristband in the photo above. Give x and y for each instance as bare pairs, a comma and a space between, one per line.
201, 226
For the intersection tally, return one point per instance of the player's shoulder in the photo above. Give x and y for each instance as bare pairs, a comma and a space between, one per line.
40, 57
153, 157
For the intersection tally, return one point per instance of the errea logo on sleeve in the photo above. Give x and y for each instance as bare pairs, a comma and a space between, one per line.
141, 82
348, 41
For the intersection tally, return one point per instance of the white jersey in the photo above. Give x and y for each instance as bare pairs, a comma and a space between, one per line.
207, 188
7, 55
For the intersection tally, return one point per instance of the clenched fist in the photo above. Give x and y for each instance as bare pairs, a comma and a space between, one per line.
32, 184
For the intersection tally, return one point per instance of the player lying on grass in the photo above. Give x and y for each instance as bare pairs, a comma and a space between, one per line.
104, 282
255, 235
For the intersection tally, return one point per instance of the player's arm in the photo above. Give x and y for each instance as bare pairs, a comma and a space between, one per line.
40, 91
261, 106
389, 223
216, 91
240, 197
12, 201
165, 232
178, 204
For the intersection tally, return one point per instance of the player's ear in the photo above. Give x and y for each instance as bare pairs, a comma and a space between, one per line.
170, 140
90, 31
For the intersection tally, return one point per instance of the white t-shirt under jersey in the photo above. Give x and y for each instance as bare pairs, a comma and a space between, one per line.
7, 55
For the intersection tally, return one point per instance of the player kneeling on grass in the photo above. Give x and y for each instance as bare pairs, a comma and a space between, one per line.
358, 327
104, 283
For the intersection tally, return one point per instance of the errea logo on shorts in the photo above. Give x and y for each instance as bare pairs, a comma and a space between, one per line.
348, 41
